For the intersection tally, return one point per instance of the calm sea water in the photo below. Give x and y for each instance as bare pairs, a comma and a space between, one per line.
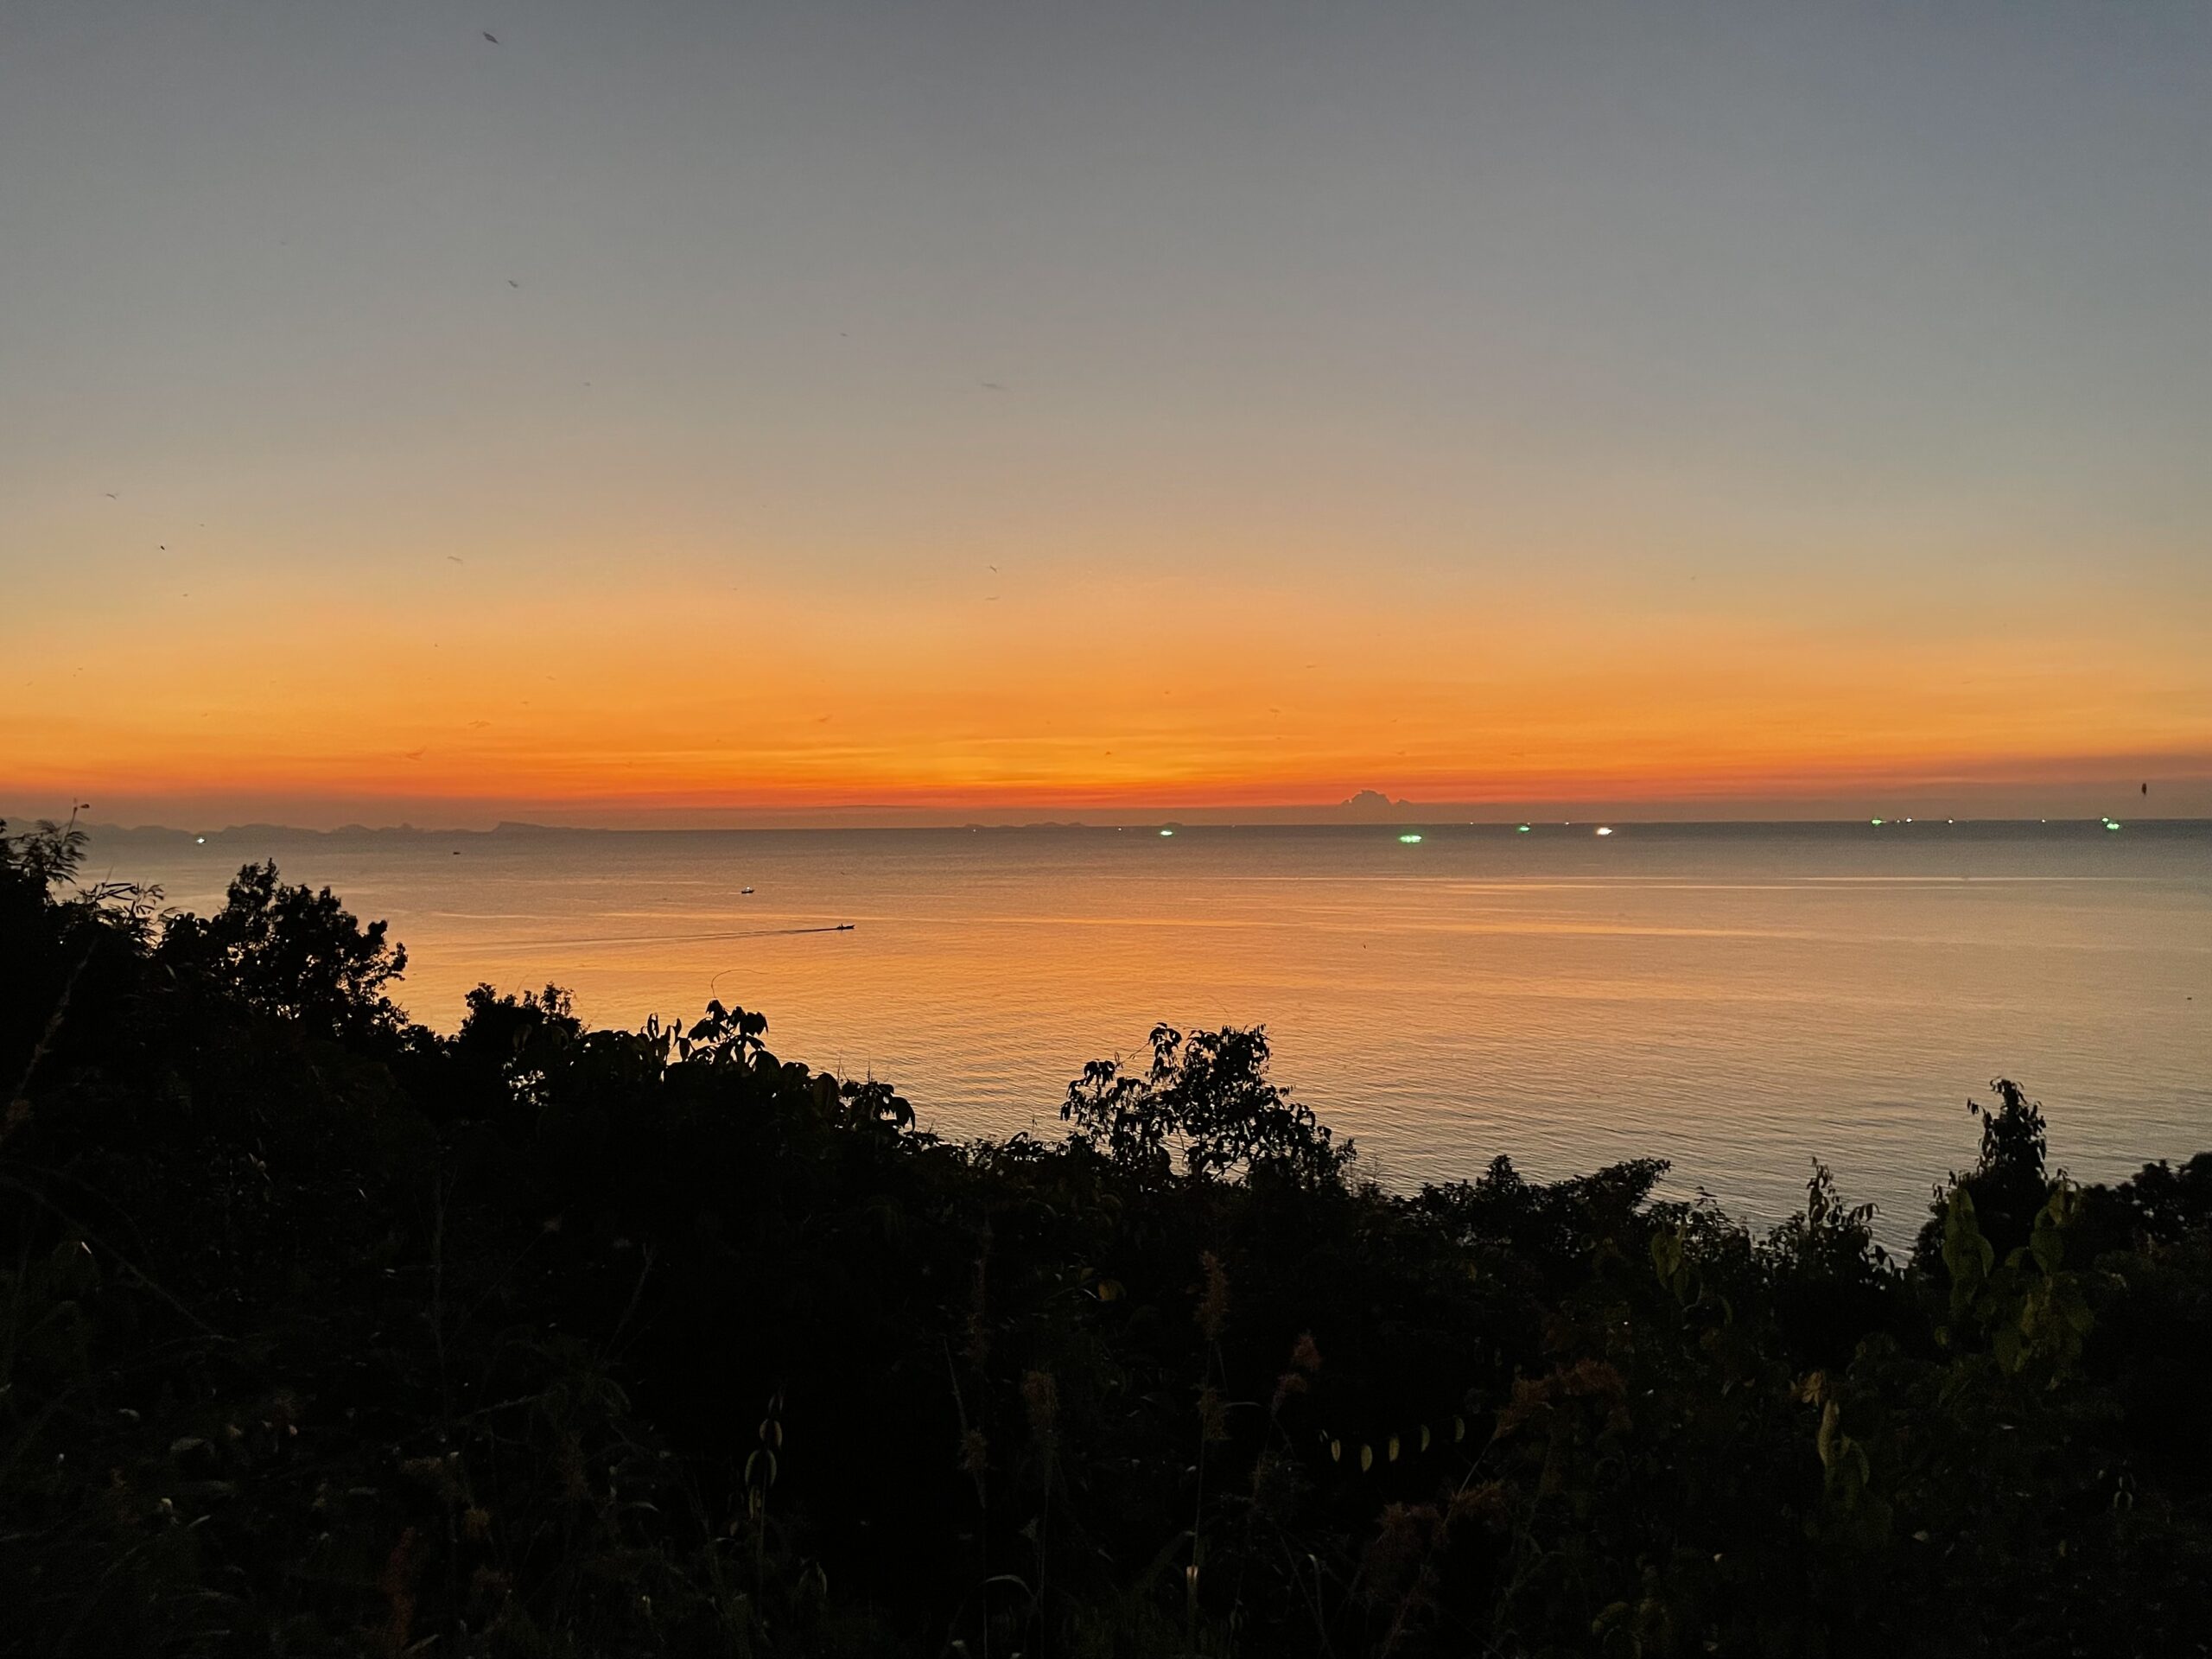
1737, 999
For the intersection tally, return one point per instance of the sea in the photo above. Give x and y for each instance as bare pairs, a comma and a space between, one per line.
1741, 1000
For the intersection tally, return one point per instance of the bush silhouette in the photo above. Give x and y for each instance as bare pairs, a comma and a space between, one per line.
292, 953
1209, 1094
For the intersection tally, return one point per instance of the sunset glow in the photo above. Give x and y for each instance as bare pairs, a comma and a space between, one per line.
499, 694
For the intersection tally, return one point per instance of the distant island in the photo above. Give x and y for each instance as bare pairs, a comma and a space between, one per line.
1370, 802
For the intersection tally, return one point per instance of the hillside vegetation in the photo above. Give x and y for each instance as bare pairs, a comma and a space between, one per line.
323, 1333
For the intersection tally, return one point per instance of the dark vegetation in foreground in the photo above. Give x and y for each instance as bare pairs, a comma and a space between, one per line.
322, 1334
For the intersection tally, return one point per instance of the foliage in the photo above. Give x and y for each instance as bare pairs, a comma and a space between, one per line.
322, 1334
1210, 1094
294, 954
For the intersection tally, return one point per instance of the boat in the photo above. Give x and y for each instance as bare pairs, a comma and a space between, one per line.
744, 890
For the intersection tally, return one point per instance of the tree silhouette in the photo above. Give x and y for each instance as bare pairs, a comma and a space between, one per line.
292, 953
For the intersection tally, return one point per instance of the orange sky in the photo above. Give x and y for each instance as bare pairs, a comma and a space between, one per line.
489, 692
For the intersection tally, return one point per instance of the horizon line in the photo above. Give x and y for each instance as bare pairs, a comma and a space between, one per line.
1169, 819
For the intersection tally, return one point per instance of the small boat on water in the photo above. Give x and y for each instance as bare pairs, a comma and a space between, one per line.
744, 890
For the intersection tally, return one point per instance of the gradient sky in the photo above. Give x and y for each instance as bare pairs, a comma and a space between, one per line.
1730, 410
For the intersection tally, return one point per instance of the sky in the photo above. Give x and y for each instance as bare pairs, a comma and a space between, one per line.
704, 412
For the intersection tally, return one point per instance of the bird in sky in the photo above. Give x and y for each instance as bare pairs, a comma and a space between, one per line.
490, 37
457, 558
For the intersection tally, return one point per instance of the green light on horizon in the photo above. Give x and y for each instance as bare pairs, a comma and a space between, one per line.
2112, 824
1877, 822
1410, 839
1522, 830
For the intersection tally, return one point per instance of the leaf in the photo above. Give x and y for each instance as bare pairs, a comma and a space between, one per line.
2010, 1347
1366, 1458
2047, 1243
